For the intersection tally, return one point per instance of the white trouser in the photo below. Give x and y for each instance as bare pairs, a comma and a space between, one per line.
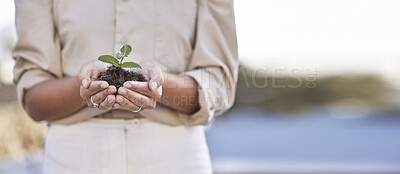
117, 146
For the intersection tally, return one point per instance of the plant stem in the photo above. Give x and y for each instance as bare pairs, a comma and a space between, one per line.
120, 74
120, 62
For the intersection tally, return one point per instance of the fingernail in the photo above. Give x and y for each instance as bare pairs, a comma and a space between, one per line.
111, 90
84, 83
127, 85
122, 91
103, 85
154, 86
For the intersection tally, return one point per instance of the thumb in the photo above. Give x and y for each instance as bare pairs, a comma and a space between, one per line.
84, 78
155, 87
156, 83
156, 79
92, 73
85, 82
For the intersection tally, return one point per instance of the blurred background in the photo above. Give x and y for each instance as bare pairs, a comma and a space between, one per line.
318, 92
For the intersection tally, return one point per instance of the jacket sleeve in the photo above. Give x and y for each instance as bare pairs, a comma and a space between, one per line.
37, 52
214, 63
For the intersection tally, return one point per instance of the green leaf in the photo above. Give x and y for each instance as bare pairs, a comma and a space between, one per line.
130, 65
109, 59
120, 56
126, 50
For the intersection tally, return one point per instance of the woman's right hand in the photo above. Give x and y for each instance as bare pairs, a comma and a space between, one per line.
101, 93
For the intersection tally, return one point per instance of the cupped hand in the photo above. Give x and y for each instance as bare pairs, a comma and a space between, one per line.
101, 93
136, 95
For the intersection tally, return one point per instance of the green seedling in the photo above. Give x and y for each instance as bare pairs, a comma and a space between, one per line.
119, 58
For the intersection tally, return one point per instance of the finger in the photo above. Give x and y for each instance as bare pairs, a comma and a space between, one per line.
108, 103
156, 78
126, 104
153, 85
155, 89
97, 97
116, 105
94, 87
97, 86
83, 78
94, 73
142, 88
100, 96
112, 90
86, 82
137, 98
86, 75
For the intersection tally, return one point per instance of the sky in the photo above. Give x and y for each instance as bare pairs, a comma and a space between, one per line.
332, 36
335, 36
6, 12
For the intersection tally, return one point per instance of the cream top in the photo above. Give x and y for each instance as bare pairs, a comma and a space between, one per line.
194, 37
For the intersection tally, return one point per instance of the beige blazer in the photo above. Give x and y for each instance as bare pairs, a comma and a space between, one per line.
194, 37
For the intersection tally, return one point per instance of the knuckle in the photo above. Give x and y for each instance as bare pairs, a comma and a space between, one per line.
90, 88
143, 100
96, 98
126, 103
152, 106
143, 90
109, 104
104, 93
129, 94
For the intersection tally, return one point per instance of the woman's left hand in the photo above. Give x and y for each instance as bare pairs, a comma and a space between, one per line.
136, 95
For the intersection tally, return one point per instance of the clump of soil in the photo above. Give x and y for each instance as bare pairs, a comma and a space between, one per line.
117, 76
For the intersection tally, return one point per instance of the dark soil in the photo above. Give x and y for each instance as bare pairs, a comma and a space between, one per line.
117, 76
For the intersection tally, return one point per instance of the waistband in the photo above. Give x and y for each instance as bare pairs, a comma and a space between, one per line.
120, 114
